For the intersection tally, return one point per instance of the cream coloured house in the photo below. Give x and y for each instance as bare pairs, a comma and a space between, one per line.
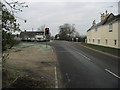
107, 32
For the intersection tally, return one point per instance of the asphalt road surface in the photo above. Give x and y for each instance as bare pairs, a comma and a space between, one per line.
84, 68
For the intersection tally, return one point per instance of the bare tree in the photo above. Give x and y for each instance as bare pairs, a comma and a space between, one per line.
9, 24
66, 31
14, 7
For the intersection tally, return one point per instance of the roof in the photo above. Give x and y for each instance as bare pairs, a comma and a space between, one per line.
30, 34
110, 19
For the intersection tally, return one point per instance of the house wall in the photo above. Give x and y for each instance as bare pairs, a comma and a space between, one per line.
103, 37
119, 34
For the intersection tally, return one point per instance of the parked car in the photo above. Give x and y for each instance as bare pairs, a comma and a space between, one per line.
40, 38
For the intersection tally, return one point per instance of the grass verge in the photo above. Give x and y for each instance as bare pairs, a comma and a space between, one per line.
29, 65
109, 50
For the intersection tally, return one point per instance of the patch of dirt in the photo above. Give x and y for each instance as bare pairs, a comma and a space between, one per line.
35, 64
29, 82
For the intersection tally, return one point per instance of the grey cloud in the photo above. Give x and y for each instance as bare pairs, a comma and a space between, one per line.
54, 14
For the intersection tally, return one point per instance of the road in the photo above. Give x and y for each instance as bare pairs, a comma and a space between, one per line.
84, 68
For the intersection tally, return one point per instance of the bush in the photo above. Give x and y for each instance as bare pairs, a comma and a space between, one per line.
8, 41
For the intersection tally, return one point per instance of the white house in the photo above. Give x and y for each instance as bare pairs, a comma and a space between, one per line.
33, 36
107, 32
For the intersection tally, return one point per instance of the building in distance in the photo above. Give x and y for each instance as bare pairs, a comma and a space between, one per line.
33, 36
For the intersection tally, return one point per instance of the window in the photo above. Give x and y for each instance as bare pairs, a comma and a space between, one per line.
106, 41
110, 27
115, 42
98, 41
89, 40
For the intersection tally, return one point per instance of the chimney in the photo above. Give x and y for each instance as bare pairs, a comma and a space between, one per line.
107, 14
102, 17
94, 23
106, 11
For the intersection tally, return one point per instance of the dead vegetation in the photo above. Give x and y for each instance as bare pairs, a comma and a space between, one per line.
28, 67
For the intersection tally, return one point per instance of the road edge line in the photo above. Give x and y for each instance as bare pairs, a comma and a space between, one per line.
56, 80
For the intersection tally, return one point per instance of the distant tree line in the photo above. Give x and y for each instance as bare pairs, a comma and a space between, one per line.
68, 32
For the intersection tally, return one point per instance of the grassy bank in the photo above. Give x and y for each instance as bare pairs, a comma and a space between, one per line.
110, 50
30, 65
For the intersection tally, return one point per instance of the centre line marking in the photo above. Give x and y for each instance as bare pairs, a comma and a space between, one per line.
112, 73
68, 77
84, 56
81, 54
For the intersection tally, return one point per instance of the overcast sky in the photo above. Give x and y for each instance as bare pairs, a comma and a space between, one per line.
54, 13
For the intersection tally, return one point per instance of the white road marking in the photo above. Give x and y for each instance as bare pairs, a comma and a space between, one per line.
81, 54
68, 77
112, 73
84, 56
56, 80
